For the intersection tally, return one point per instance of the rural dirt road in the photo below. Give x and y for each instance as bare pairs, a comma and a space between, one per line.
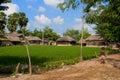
85, 70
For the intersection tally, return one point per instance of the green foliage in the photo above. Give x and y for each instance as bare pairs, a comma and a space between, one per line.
68, 4
23, 20
49, 33
76, 34
107, 20
13, 22
37, 33
25, 32
105, 16
4, 7
2, 22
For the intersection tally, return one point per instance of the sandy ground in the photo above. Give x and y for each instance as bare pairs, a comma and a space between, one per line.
85, 70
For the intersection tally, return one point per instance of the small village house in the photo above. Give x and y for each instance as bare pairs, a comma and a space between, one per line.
83, 42
45, 42
4, 42
95, 40
33, 40
65, 41
14, 38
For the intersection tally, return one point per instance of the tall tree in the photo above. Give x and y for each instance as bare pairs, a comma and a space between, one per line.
23, 20
37, 33
13, 22
105, 15
2, 7
2, 15
75, 34
26, 32
49, 33
2, 22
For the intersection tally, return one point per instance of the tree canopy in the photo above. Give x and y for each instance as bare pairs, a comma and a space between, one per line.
76, 34
13, 22
2, 22
2, 7
49, 33
105, 14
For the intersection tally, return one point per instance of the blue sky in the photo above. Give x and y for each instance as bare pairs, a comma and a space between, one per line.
43, 13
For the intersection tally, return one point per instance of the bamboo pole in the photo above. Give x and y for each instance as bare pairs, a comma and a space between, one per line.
82, 30
28, 54
29, 59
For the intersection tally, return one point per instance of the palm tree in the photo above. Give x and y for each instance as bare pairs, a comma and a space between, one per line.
23, 20
2, 7
2, 22
13, 22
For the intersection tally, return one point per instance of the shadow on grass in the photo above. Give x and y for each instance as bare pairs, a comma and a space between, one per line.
10, 60
9, 63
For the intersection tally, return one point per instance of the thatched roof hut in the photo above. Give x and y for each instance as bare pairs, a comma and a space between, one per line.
45, 41
83, 42
14, 38
95, 40
33, 39
65, 41
95, 37
3, 41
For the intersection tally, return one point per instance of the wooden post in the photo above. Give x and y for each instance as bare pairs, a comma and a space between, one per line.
28, 53
17, 68
82, 30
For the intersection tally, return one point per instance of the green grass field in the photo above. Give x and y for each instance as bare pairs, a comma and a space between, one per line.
41, 54
46, 56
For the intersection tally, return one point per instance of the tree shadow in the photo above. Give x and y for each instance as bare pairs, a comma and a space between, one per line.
114, 62
8, 63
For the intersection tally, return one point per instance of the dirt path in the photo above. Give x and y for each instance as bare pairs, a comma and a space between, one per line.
86, 70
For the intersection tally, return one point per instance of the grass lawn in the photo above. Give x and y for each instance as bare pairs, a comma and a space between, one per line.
46, 56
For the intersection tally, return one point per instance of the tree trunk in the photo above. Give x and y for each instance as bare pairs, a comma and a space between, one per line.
29, 59
82, 30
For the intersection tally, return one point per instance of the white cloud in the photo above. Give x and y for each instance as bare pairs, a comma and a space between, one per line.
31, 0
53, 2
78, 19
78, 26
58, 20
34, 25
12, 8
29, 7
42, 19
93, 8
41, 9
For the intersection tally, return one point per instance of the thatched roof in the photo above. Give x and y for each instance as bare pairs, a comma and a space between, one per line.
95, 37
13, 36
33, 38
45, 40
3, 39
83, 41
65, 38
